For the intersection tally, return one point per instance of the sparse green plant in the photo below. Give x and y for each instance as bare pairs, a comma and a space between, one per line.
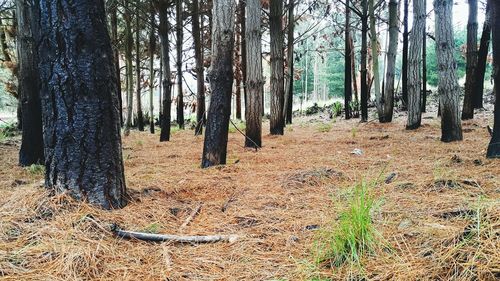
354, 105
239, 124
153, 228
8, 131
336, 109
324, 127
36, 169
313, 109
354, 130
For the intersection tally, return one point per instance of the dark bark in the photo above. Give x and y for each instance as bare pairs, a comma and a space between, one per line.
116, 52
277, 121
200, 79
80, 103
254, 82
163, 31
129, 42
424, 62
221, 83
140, 115
347, 63
481, 63
237, 66
243, 51
448, 89
494, 146
31, 151
468, 108
404, 68
179, 32
288, 102
364, 57
152, 47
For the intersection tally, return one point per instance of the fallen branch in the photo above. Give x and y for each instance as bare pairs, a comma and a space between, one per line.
174, 238
191, 217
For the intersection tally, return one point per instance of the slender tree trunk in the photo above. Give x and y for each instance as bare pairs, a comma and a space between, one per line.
414, 66
255, 80
482, 58
180, 38
80, 104
152, 48
164, 29
116, 52
128, 66
31, 151
494, 146
364, 57
160, 90
277, 71
387, 102
288, 103
375, 65
140, 115
355, 111
243, 51
221, 83
347, 63
404, 68
468, 109
448, 89
424, 62
237, 66
200, 83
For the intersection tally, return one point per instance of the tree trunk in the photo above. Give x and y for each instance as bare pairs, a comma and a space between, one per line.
200, 80
80, 104
288, 103
221, 83
355, 109
494, 146
166, 79
255, 80
237, 65
468, 109
277, 71
404, 68
152, 47
243, 51
448, 89
128, 66
375, 65
347, 63
116, 52
387, 101
28, 34
140, 115
424, 62
481, 63
364, 57
180, 97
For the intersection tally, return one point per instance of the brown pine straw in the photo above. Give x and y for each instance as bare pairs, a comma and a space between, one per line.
45, 237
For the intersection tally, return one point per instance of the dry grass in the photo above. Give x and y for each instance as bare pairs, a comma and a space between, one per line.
269, 198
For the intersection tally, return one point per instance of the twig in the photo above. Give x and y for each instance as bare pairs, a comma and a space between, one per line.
191, 216
173, 238
236, 127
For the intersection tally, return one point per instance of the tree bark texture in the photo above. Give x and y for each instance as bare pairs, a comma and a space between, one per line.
494, 146
364, 58
482, 58
140, 115
347, 63
129, 42
404, 67
468, 108
288, 103
200, 79
180, 37
152, 48
277, 71
163, 31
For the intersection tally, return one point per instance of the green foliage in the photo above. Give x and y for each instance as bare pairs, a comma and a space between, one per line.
313, 109
354, 235
36, 169
324, 127
336, 109
8, 131
153, 228
354, 130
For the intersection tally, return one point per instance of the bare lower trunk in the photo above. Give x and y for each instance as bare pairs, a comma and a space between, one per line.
277, 71
481, 62
468, 109
494, 146
128, 65
164, 29
180, 95
140, 115
364, 57
404, 68
200, 83
347, 63
152, 47
375, 64
288, 102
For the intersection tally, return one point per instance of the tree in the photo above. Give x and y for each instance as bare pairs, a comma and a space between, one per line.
288, 102
140, 115
129, 41
198, 56
364, 57
347, 63
494, 146
277, 71
221, 83
404, 68
481, 62
468, 109
253, 102
80, 103
448, 89
163, 31
374, 49
31, 151
152, 47
387, 100
424, 62
113, 11
414, 66
180, 97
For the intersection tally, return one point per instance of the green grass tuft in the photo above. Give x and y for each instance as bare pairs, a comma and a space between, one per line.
36, 169
240, 124
324, 127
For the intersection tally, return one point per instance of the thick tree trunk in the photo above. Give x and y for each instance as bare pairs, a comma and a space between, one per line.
375, 64
28, 36
404, 67
152, 48
166, 79
140, 115
468, 109
388, 94
481, 63
180, 37
448, 89
364, 57
80, 104
116, 52
128, 66
221, 83
255, 80
347, 63
494, 146
288, 103
414, 66
200, 79
277, 71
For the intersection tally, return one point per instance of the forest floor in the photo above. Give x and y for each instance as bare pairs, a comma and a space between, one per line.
438, 219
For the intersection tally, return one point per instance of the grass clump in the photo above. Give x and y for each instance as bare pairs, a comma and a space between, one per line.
239, 124
324, 127
354, 234
36, 169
